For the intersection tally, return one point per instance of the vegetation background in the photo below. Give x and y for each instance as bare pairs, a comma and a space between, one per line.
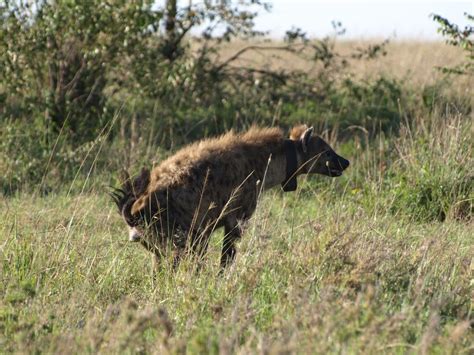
379, 260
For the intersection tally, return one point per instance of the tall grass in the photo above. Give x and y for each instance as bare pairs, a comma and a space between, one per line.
363, 263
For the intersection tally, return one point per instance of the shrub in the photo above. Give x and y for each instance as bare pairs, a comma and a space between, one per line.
432, 176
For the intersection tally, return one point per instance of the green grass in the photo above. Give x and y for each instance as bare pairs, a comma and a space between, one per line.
357, 264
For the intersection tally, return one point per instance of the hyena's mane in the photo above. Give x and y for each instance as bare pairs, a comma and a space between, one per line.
125, 196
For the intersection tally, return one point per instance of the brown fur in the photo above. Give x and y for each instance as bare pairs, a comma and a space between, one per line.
209, 184
297, 131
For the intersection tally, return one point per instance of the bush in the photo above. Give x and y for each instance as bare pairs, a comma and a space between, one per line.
432, 176
55, 60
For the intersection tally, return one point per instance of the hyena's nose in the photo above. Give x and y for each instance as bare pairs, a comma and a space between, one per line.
134, 235
344, 163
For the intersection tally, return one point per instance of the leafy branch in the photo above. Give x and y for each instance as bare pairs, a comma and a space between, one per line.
458, 37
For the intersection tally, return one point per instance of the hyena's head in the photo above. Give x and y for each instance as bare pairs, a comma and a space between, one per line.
317, 157
125, 196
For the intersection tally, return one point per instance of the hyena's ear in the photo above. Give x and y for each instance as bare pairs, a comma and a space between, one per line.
297, 131
126, 181
305, 138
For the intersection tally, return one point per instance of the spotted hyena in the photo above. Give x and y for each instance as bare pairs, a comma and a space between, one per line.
215, 183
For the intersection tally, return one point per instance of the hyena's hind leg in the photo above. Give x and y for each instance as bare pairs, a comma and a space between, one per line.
233, 232
178, 246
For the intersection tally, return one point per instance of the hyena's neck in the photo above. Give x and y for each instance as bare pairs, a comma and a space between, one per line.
276, 168
277, 172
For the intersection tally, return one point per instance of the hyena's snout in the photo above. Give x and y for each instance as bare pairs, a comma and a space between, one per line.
336, 165
134, 234
342, 163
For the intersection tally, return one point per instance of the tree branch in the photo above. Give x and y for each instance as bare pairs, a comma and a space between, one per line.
240, 52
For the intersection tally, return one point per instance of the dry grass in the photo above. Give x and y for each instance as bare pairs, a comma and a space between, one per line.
410, 61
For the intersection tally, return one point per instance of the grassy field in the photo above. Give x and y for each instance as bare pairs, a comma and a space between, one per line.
379, 260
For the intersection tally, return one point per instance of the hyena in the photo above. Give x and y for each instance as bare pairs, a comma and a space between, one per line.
215, 183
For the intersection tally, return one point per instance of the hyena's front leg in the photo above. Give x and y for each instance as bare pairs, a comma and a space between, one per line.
157, 254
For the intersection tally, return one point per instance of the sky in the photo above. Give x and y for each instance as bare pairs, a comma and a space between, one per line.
403, 19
